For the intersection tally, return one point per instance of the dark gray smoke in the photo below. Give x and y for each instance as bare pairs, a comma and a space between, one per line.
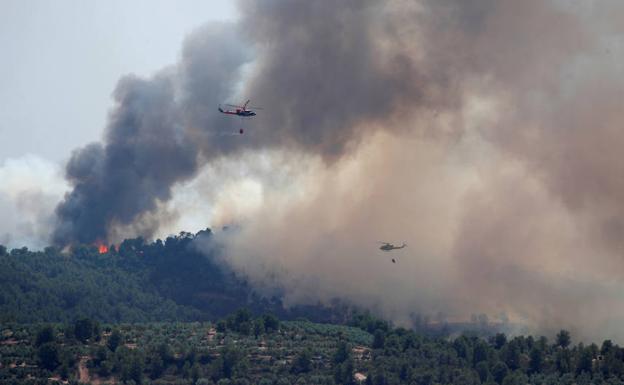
149, 143
139, 161
319, 73
325, 71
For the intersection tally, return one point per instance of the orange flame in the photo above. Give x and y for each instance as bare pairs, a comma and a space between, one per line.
102, 249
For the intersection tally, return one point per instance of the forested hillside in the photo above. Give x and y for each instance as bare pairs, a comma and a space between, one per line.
134, 282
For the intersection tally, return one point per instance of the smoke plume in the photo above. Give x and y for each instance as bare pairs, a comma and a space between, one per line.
30, 188
483, 133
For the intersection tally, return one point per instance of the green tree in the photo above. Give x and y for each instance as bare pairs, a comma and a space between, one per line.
232, 358
499, 371
101, 354
461, 347
132, 369
511, 354
343, 372
166, 353
271, 323
45, 335
483, 371
136, 370
258, 327
84, 329
536, 359
342, 353
156, 366
241, 321
479, 353
607, 347
500, 340
515, 378
105, 369
585, 361
216, 369
302, 363
114, 340
48, 354
196, 372
64, 371
379, 378
563, 361
379, 339
186, 370
68, 331
563, 339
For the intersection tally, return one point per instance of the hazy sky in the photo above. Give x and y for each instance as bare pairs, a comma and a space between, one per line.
62, 59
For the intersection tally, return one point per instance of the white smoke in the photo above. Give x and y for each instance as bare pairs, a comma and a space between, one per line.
30, 188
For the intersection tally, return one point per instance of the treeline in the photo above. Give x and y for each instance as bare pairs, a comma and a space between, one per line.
49, 286
137, 281
244, 349
401, 356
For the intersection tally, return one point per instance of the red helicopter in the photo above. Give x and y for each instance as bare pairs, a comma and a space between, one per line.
241, 111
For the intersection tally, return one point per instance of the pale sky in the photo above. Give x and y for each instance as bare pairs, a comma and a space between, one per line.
60, 61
